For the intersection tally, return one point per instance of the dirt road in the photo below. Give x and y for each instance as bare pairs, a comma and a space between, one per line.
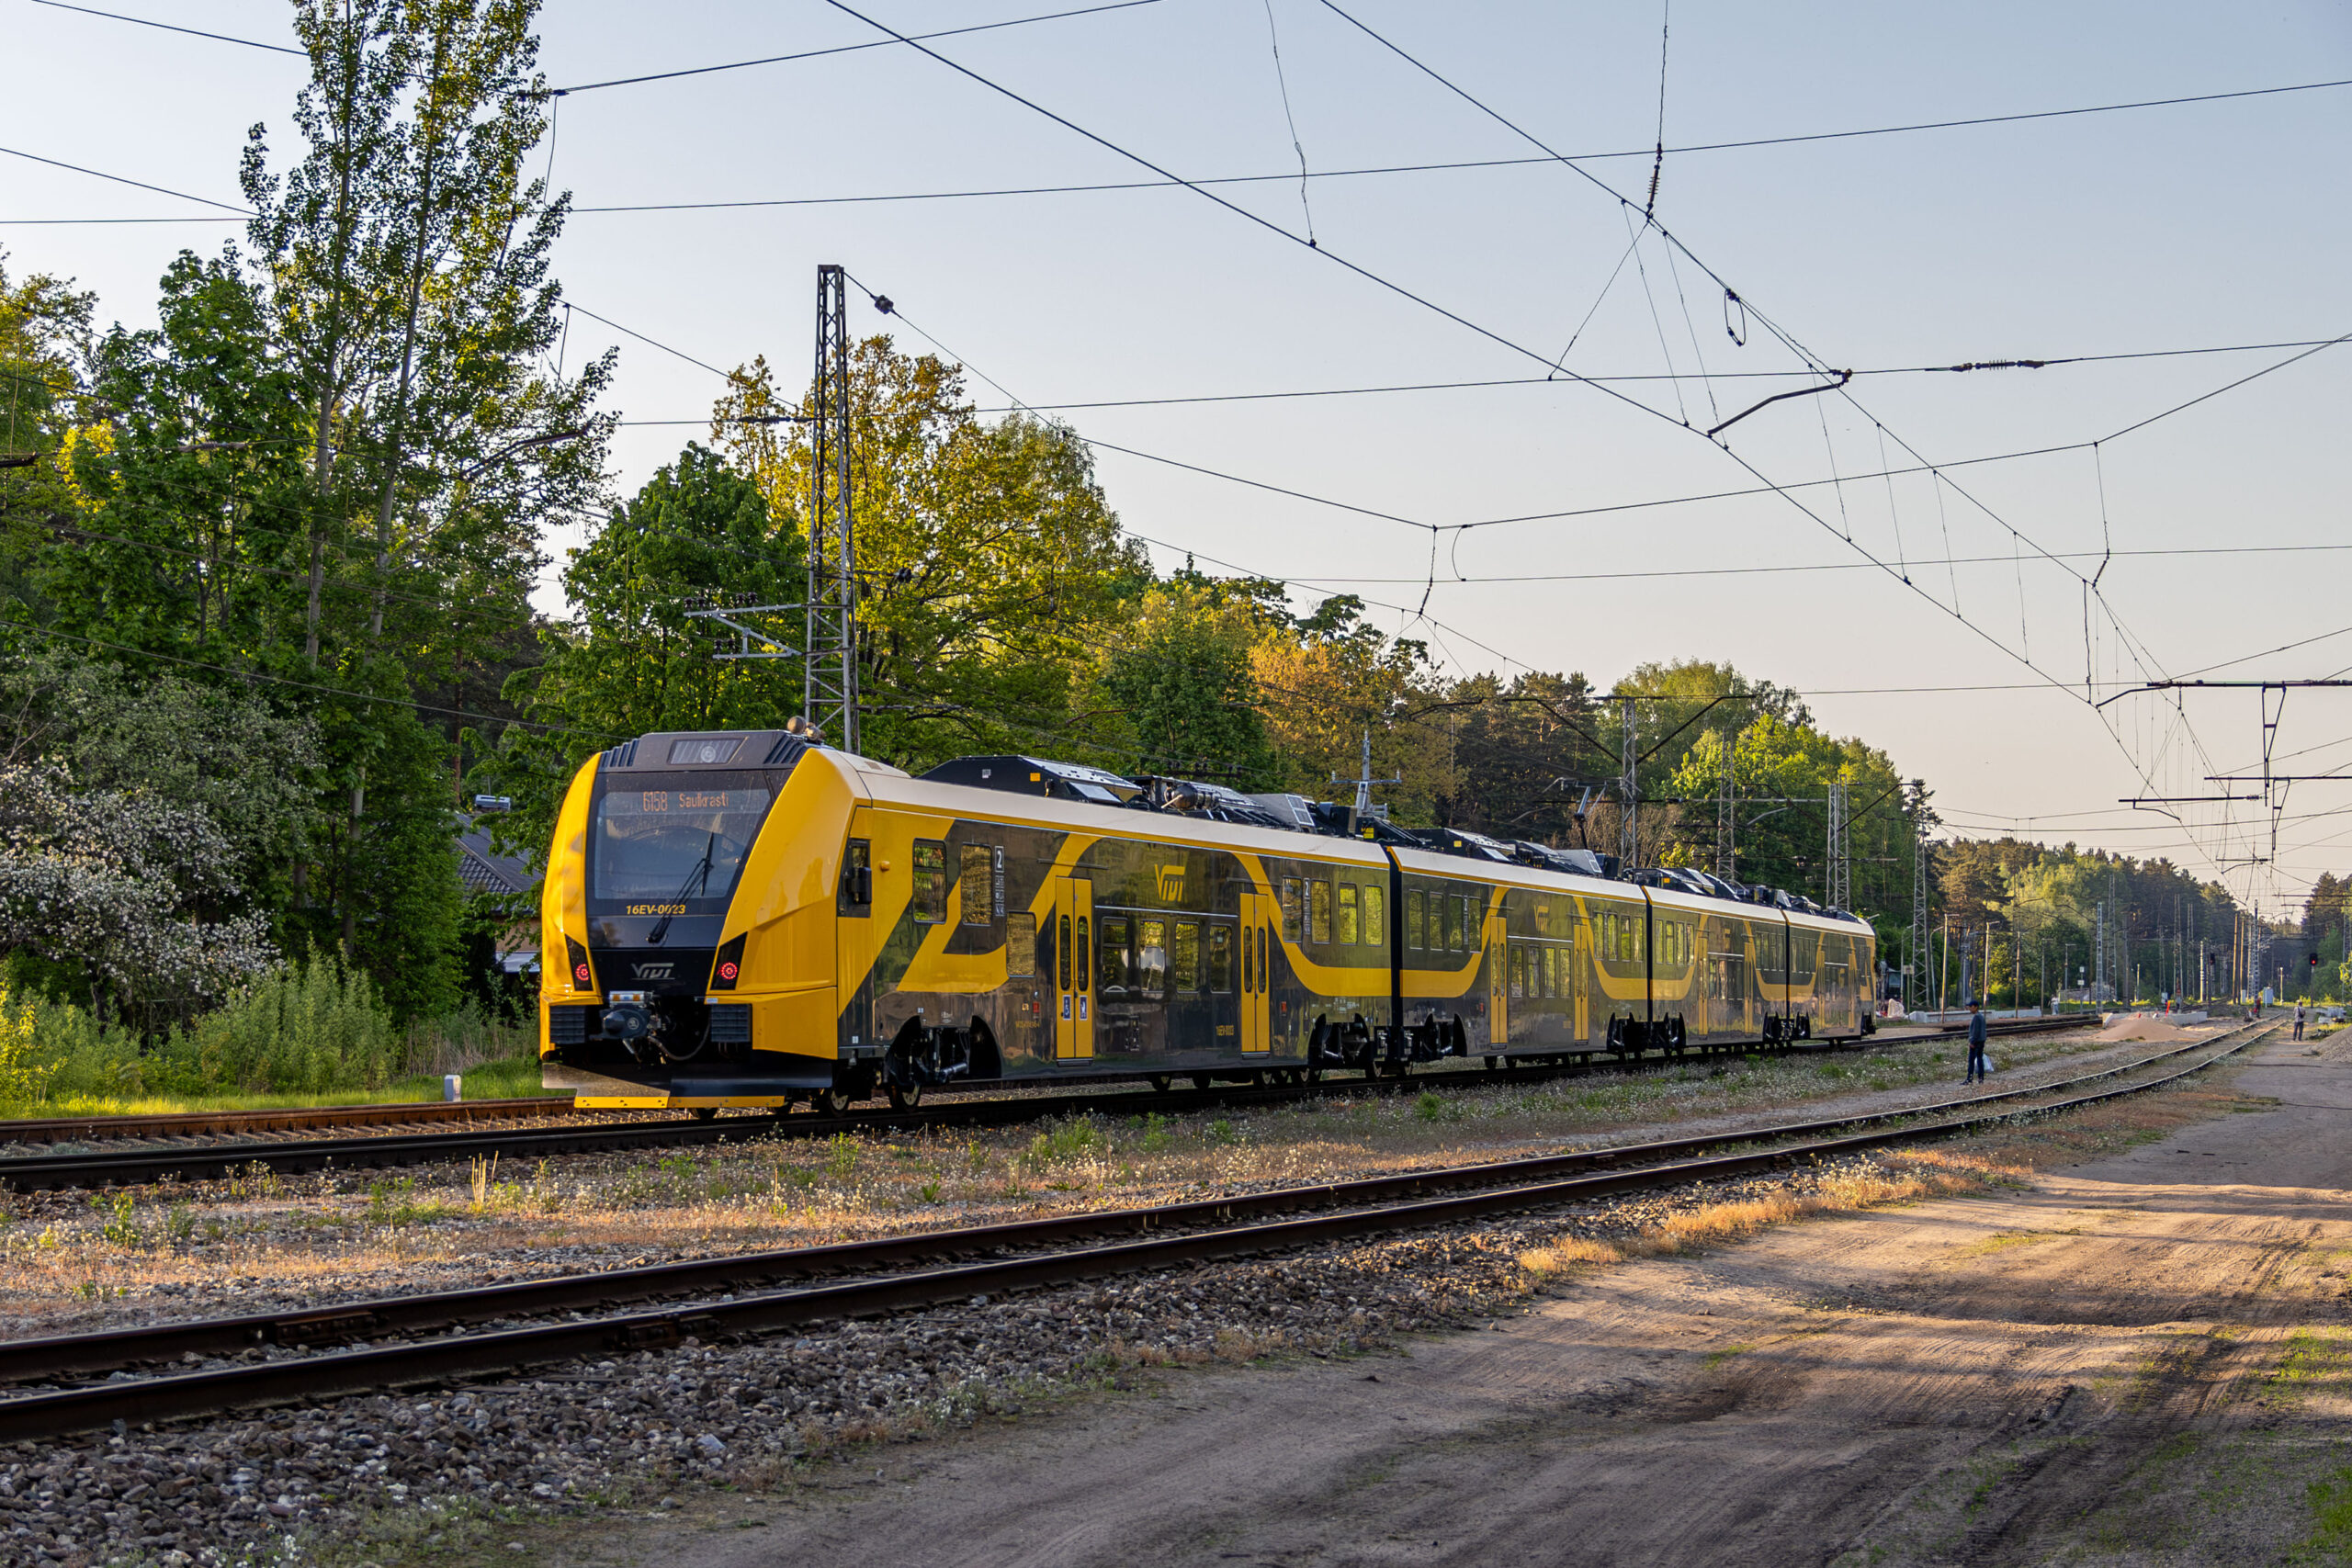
2144, 1360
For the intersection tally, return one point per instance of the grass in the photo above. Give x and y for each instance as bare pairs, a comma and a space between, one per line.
514, 1079
2331, 1501
2001, 1243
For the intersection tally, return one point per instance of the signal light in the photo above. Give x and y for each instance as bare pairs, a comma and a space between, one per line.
727, 971
580, 972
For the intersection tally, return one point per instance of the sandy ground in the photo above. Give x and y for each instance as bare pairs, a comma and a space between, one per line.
2143, 1361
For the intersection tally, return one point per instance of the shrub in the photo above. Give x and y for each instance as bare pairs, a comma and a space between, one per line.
51, 1050
301, 1029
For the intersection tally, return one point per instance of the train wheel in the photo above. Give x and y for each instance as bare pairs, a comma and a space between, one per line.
827, 1103
1200, 1080
1161, 1083
1493, 1062
905, 1097
706, 1112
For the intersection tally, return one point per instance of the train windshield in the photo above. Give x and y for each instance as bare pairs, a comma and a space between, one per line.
674, 845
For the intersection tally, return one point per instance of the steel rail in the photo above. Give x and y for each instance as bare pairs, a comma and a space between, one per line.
1399, 1203
124, 1168
286, 1119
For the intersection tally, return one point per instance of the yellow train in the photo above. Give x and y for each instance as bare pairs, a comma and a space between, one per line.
747, 919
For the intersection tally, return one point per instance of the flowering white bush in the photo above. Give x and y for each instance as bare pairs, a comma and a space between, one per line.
124, 885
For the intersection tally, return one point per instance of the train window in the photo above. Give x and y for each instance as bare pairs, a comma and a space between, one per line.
1375, 914
1186, 972
1078, 960
1221, 959
1065, 971
1112, 975
1517, 971
931, 881
1265, 968
1551, 971
978, 903
1666, 930
1348, 929
857, 876
1021, 943
1151, 957
1249, 963
1318, 910
1457, 913
1294, 927
1413, 918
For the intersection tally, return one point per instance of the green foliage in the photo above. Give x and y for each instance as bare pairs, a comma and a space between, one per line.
632, 661
1070, 1140
23, 1075
994, 567
51, 1050
305, 1029
1179, 681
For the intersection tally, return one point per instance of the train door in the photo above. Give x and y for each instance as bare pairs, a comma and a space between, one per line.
1578, 955
1496, 942
1257, 1026
1074, 969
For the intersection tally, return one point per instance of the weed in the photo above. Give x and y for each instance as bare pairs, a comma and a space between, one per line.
841, 1156
394, 1203
480, 1172
1714, 1358
929, 1190
1221, 1131
1071, 1140
179, 1223
121, 1229
1155, 1136
1431, 1106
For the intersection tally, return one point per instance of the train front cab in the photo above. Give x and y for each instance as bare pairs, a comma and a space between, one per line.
689, 921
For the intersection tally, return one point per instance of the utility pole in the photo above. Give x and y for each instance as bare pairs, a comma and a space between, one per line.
2099, 953
1627, 793
1726, 810
829, 671
1361, 806
1838, 870
1920, 935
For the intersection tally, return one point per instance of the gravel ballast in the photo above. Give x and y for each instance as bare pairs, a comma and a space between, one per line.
444, 1471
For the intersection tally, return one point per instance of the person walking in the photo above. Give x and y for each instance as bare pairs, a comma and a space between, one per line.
2299, 1020
1977, 1066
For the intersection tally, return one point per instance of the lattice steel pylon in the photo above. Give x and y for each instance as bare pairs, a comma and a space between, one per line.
829, 674
1918, 966
1838, 874
1726, 849
1628, 794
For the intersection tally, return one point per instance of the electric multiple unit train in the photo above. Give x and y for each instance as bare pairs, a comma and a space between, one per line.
749, 920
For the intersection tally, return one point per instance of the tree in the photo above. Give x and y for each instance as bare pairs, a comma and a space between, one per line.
1325, 683
328, 465
631, 660
991, 572
1178, 682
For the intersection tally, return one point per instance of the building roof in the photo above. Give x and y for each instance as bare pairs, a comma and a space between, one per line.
484, 870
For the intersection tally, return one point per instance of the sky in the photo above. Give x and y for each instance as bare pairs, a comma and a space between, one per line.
1946, 613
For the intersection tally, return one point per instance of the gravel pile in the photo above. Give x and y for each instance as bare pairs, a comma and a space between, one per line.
453, 1468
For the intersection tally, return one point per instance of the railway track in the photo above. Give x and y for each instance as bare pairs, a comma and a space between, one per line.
976, 1108
1086, 1246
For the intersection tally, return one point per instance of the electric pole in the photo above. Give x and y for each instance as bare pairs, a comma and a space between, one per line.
1725, 810
1919, 938
830, 672
1838, 871
1625, 818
